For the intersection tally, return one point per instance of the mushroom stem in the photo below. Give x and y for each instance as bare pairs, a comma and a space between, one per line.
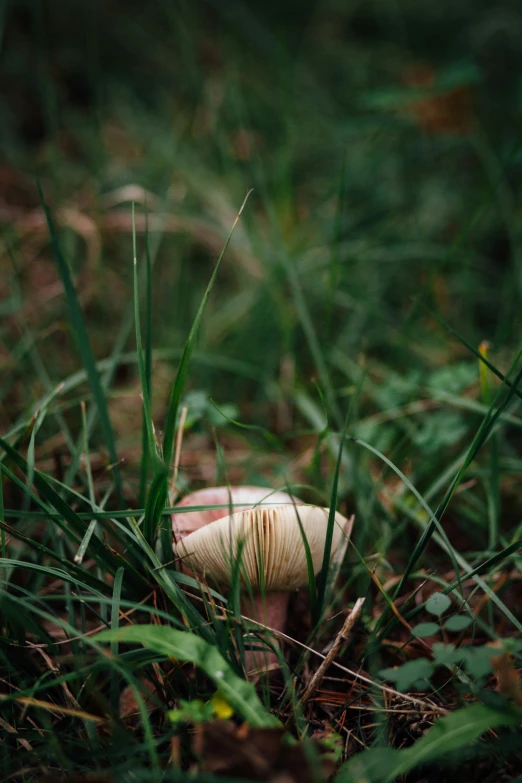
270, 610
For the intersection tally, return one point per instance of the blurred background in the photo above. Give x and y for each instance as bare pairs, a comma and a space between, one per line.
382, 142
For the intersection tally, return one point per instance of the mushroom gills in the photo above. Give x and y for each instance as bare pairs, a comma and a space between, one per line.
269, 542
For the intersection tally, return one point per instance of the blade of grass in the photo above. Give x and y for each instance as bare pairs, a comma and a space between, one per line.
84, 346
156, 502
493, 484
444, 542
168, 583
312, 582
90, 485
46, 552
270, 438
115, 622
181, 376
152, 452
144, 465
77, 525
322, 580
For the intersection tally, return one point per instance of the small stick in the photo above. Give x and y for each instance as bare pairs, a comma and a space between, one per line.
179, 441
342, 636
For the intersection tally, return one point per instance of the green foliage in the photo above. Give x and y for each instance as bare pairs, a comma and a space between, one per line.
412, 674
437, 604
379, 249
422, 630
449, 734
457, 623
188, 647
475, 660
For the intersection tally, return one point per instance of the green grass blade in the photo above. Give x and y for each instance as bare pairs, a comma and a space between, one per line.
144, 466
115, 623
156, 502
82, 549
77, 525
181, 376
322, 581
84, 347
270, 438
46, 552
312, 582
144, 379
168, 582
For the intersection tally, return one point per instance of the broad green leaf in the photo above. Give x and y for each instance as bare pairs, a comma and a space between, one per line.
185, 646
458, 622
437, 604
461, 728
422, 630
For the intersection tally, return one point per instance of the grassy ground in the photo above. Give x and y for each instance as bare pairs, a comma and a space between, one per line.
369, 298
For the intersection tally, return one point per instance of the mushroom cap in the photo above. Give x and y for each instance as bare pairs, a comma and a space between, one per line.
273, 552
242, 498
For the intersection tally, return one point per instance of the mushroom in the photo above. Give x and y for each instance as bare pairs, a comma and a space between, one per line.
273, 561
240, 498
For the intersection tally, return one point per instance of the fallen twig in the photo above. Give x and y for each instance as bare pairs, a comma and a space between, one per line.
342, 636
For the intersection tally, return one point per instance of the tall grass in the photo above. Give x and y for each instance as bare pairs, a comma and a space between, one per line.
336, 349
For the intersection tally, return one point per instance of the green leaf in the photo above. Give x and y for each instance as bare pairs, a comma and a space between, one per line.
185, 646
458, 622
411, 671
441, 429
437, 604
461, 728
477, 660
446, 654
422, 630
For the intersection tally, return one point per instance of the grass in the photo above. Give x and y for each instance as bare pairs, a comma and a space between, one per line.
355, 339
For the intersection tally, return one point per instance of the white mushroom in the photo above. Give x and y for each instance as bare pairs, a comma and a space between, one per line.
269, 544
